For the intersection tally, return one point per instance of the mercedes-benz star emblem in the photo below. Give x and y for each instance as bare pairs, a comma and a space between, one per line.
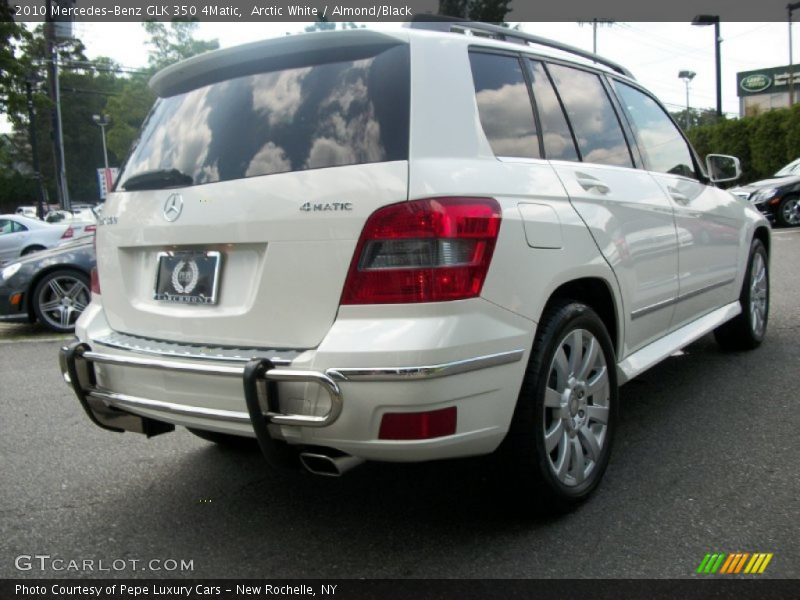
173, 207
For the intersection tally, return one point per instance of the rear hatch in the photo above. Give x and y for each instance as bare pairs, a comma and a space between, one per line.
235, 218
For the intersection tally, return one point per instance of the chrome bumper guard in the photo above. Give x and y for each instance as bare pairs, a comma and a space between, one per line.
259, 378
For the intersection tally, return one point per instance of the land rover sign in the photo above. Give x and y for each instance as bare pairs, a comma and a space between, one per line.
755, 83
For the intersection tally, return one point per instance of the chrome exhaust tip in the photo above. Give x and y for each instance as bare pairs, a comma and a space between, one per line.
328, 466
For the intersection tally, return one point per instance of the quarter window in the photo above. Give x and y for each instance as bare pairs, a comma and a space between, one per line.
558, 142
660, 141
504, 105
597, 129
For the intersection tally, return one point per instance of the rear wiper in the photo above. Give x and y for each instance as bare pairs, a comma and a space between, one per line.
157, 180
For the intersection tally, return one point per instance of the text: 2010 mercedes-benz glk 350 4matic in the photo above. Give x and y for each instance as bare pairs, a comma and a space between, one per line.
409, 246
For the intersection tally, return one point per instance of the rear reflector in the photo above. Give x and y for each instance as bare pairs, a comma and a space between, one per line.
418, 426
15, 299
428, 250
95, 281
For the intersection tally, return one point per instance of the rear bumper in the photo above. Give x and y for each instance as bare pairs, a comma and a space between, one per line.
293, 400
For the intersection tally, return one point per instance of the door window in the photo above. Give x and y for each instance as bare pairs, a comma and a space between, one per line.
594, 121
660, 141
557, 138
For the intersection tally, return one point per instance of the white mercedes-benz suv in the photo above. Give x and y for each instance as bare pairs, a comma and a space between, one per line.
407, 246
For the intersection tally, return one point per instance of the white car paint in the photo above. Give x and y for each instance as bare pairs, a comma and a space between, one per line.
284, 270
19, 234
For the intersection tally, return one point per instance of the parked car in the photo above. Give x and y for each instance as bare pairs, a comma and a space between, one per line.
21, 235
27, 211
777, 197
51, 287
80, 222
409, 246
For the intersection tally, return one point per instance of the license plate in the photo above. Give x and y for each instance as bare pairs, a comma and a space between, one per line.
187, 277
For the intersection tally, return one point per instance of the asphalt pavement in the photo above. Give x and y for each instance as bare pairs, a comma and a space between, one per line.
706, 460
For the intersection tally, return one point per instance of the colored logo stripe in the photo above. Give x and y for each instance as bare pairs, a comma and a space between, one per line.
727, 564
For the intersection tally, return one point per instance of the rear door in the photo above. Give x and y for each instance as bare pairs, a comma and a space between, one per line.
624, 208
236, 216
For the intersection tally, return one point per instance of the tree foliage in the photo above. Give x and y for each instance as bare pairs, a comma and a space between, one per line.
489, 11
87, 88
763, 143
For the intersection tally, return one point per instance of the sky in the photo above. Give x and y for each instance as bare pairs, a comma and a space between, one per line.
654, 52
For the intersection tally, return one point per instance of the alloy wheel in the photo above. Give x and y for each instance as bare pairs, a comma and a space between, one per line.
576, 407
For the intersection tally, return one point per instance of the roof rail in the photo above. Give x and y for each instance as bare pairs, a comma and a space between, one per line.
455, 25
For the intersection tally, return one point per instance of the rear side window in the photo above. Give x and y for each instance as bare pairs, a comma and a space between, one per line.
662, 144
558, 142
311, 117
504, 105
597, 129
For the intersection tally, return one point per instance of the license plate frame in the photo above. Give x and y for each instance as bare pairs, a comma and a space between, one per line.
188, 277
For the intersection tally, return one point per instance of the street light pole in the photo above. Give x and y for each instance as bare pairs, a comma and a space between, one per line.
714, 20
102, 121
687, 77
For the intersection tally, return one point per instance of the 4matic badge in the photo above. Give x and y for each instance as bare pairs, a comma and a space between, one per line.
326, 207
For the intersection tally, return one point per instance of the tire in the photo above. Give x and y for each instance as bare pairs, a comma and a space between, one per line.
559, 442
226, 440
747, 330
788, 212
31, 250
59, 298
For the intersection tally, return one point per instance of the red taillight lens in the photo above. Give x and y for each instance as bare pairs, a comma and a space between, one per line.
68, 233
418, 426
424, 251
90, 229
95, 281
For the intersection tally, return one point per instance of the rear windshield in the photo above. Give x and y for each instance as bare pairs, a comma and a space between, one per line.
321, 115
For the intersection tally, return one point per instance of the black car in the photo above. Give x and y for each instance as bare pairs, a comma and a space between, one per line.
52, 287
778, 197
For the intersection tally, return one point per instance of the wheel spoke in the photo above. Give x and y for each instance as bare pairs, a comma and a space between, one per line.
64, 317
561, 366
597, 413
55, 286
552, 399
564, 457
592, 446
52, 305
78, 306
555, 436
598, 383
576, 351
589, 358
76, 290
578, 460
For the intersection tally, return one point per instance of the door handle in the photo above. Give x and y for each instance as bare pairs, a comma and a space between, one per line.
589, 183
680, 198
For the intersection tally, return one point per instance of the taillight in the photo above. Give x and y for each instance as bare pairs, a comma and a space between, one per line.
90, 229
428, 250
95, 281
68, 233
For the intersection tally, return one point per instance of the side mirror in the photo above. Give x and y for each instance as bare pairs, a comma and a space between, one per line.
723, 168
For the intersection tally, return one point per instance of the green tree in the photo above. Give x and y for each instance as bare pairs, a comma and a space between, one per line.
489, 11
170, 44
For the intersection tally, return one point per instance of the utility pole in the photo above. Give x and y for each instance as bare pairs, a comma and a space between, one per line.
703, 20
62, 190
29, 81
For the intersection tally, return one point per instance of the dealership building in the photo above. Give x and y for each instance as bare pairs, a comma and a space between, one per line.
765, 89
